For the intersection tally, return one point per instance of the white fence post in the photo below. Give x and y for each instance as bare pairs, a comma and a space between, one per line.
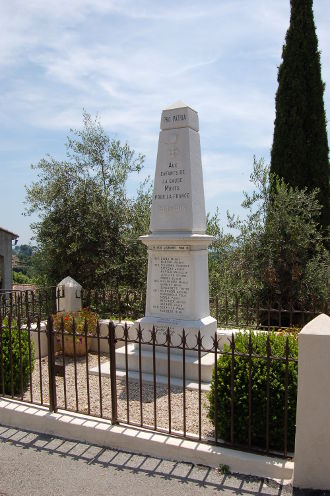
312, 449
70, 295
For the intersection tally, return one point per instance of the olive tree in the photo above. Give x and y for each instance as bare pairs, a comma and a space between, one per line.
88, 225
277, 252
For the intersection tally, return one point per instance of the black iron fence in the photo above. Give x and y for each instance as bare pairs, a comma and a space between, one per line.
158, 380
231, 311
30, 304
114, 304
126, 305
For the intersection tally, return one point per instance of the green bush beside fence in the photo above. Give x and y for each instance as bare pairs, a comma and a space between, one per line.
19, 341
277, 379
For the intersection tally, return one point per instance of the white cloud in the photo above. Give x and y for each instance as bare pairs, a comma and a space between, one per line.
128, 59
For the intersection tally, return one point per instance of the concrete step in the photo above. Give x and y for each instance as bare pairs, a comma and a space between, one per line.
161, 361
148, 378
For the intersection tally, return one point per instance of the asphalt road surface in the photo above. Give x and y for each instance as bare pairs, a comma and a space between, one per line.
32, 464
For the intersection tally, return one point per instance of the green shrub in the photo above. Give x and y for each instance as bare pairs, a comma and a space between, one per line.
259, 392
15, 336
20, 278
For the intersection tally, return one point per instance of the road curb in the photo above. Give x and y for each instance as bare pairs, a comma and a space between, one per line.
97, 431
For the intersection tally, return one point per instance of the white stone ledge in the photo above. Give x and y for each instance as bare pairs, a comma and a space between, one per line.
100, 432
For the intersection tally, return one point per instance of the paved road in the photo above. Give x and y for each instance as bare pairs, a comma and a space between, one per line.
35, 464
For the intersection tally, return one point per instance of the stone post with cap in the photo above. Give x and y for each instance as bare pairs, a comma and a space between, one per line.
68, 295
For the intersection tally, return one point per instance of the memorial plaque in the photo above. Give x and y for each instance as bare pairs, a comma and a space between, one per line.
170, 278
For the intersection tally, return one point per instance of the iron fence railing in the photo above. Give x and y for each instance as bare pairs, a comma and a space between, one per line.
232, 311
228, 310
127, 305
115, 304
29, 303
35, 367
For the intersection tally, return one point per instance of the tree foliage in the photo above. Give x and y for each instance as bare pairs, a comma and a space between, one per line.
300, 146
17, 363
219, 254
88, 226
277, 252
23, 269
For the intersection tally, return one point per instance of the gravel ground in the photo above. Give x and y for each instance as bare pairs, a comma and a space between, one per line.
192, 411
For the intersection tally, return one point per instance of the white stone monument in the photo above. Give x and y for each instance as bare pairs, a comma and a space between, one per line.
178, 286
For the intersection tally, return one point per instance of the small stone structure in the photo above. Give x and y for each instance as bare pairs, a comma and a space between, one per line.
6, 273
69, 292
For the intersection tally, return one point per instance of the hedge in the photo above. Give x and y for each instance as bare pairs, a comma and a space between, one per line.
15, 335
258, 393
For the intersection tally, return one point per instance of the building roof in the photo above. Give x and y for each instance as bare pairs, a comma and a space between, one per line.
13, 235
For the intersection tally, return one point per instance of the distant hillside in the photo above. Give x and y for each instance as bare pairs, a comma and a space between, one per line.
23, 264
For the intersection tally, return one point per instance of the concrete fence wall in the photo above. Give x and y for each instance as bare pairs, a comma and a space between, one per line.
104, 345
312, 449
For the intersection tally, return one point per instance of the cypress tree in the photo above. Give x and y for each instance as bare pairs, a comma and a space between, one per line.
300, 144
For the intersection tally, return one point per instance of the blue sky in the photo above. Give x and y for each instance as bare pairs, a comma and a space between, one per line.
127, 60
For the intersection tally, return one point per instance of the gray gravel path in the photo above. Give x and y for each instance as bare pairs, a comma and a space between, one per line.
192, 412
35, 464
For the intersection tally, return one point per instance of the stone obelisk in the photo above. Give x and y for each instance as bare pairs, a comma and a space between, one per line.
177, 285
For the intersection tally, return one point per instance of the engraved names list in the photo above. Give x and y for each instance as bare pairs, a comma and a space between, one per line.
170, 277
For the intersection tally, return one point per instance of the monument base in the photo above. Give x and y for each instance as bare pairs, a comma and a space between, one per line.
176, 377
207, 326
